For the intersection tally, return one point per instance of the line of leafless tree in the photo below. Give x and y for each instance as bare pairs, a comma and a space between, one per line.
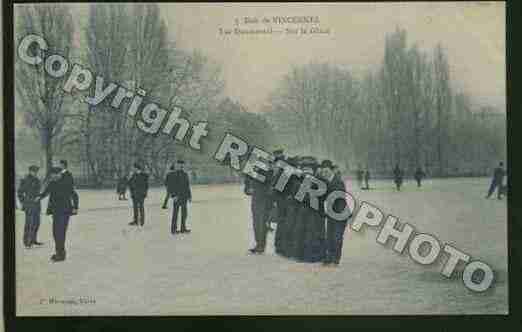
403, 112
126, 44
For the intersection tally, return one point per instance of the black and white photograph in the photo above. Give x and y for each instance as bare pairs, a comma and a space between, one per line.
190, 159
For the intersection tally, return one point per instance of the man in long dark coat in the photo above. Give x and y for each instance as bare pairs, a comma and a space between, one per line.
67, 175
366, 179
397, 177
261, 202
360, 174
28, 192
139, 187
179, 186
63, 203
334, 228
419, 175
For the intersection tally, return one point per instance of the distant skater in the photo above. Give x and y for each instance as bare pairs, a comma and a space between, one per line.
359, 174
398, 177
277, 207
419, 175
367, 179
497, 181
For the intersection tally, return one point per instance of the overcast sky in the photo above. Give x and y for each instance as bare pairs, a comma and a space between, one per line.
472, 33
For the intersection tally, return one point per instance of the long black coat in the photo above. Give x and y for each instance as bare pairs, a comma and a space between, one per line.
68, 178
178, 185
337, 184
260, 190
139, 185
498, 175
28, 192
289, 231
397, 175
62, 196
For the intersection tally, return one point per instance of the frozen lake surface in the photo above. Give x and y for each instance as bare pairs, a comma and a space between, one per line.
146, 271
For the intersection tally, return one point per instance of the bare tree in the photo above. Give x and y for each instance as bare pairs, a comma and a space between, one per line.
39, 95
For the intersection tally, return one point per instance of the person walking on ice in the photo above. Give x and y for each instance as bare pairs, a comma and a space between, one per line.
497, 181
367, 179
397, 177
419, 175
359, 173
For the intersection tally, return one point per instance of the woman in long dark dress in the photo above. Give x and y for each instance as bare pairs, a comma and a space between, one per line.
294, 234
305, 242
314, 239
284, 240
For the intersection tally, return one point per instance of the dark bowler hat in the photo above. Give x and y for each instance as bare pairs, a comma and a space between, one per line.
181, 161
138, 166
33, 168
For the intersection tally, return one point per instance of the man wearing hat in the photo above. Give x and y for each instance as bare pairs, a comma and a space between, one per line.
63, 202
168, 185
261, 203
27, 194
397, 177
178, 185
139, 186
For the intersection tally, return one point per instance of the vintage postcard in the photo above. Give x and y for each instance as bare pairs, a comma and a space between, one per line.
260, 159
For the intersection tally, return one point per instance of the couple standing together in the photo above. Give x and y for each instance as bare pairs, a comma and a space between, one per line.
63, 203
178, 188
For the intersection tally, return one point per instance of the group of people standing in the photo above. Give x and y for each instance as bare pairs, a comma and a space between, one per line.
303, 233
398, 177
63, 203
64, 200
178, 189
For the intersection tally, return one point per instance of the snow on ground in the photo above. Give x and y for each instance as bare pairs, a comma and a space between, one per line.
133, 271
